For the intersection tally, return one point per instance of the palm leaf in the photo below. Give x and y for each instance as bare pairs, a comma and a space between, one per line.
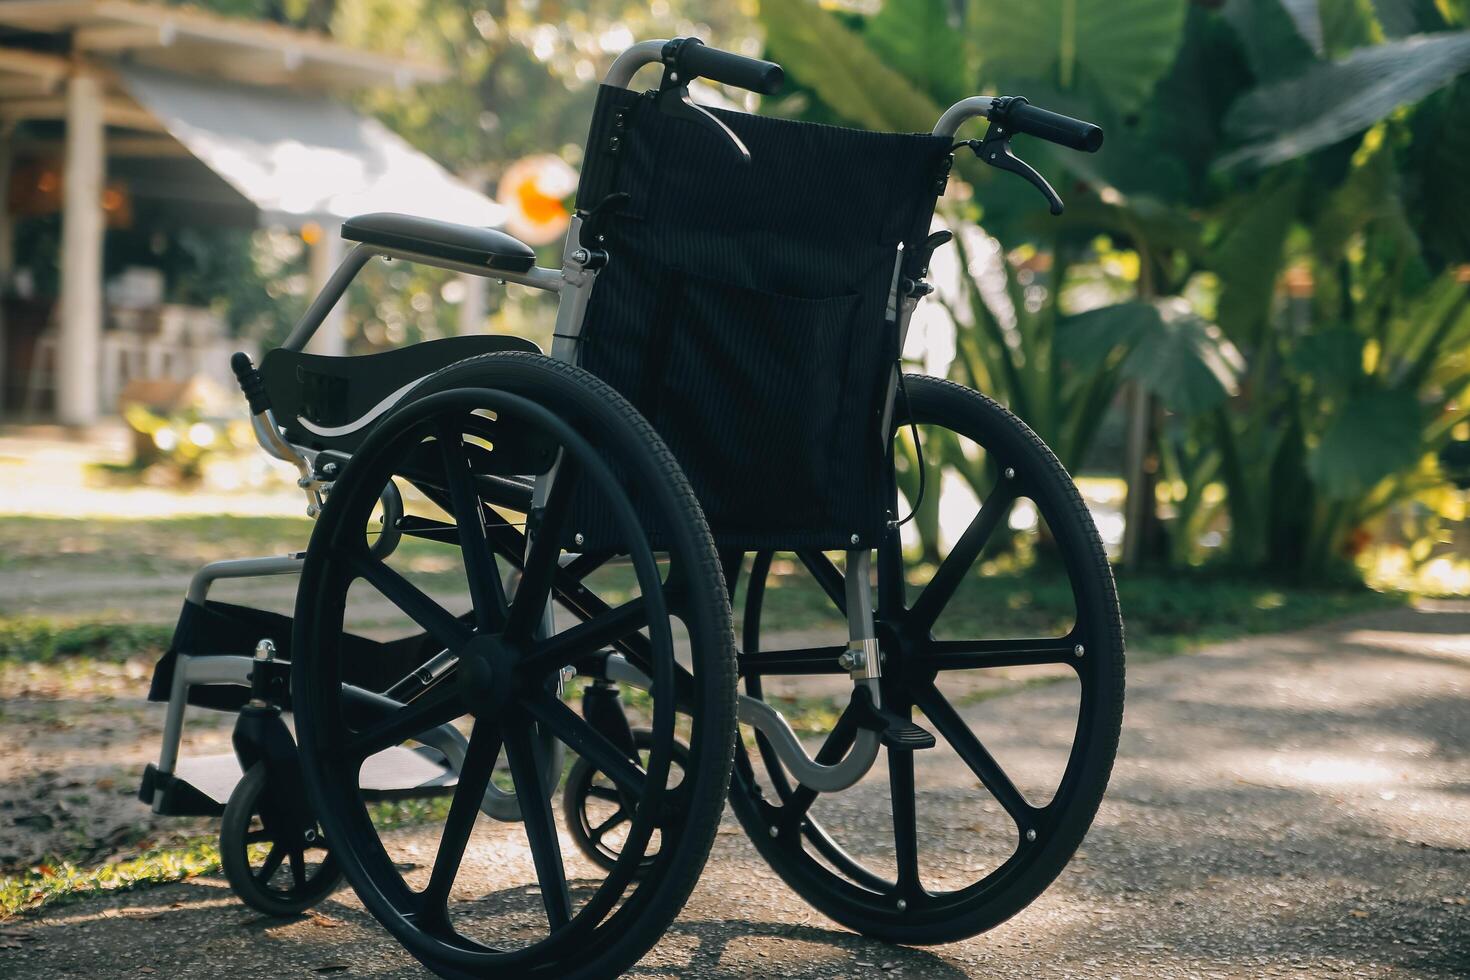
1121, 47
1330, 102
1173, 353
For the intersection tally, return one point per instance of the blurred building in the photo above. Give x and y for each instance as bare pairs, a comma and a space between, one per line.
119, 114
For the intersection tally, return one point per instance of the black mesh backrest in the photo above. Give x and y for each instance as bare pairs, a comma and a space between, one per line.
743, 310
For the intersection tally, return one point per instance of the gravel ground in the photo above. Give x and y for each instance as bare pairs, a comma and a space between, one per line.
1292, 805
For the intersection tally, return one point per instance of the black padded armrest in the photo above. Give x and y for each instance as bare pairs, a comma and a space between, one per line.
442, 240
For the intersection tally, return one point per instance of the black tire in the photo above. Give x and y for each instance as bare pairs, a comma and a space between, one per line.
589, 829
797, 846
285, 883
498, 677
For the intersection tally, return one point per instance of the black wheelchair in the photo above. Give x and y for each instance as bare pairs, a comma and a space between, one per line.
574, 527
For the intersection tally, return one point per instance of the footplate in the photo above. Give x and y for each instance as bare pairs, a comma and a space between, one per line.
894, 731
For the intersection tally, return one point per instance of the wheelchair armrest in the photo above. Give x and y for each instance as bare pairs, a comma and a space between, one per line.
484, 247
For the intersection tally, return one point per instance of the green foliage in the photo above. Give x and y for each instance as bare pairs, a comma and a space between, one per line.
1371, 436
1116, 48
44, 638
842, 69
1331, 101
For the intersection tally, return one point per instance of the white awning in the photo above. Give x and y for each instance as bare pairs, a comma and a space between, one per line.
303, 158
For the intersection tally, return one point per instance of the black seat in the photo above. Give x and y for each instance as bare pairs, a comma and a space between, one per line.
442, 240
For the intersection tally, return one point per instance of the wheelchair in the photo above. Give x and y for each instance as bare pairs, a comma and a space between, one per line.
575, 527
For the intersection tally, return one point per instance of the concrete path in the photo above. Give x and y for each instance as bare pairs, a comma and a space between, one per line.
1294, 805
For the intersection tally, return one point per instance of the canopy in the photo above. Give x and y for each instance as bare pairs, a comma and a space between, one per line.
303, 158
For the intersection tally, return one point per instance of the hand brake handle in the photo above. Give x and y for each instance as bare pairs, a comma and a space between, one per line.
1012, 114
674, 100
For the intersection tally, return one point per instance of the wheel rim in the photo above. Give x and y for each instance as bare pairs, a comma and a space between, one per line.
498, 653
799, 845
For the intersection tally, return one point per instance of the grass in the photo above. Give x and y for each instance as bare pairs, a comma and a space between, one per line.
60, 880
47, 638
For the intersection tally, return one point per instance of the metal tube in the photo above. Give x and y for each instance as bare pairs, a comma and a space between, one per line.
240, 568
336, 285
628, 63
975, 105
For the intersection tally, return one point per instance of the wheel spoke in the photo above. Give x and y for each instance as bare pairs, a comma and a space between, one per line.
539, 820
486, 590
257, 836
443, 627
474, 778
620, 817
586, 638
573, 730
434, 708
273, 861
541, 558
604, 793
827, 576
975, 654
950, 725
957, 564
298, 867
905, 821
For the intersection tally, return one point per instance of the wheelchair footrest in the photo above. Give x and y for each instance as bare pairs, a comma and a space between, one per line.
894, 731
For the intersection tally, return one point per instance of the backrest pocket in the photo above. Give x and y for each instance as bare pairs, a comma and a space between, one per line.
747, 387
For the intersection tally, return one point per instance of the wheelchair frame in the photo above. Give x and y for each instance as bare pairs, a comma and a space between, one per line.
573, 284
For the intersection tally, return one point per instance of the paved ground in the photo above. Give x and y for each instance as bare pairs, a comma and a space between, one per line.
1295, 805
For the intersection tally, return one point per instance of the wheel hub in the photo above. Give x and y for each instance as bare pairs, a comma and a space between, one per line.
487, 673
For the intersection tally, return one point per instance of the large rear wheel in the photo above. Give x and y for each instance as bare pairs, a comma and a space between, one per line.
976, 834
467, 896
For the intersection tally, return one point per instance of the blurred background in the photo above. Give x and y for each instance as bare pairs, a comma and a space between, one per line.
1248, 337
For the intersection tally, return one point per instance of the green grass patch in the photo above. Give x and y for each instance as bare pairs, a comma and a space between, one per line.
45, 638
57, 882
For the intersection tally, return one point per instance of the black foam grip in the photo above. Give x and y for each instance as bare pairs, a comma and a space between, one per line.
250, 382
765, 77
1055, 127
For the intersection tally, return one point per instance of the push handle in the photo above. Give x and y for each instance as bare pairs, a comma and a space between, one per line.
692, 58
1054, 127
250, 382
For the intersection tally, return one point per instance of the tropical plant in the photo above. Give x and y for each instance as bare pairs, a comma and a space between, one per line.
1320, 142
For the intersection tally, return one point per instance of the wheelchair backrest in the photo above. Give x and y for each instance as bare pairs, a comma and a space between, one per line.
745, 308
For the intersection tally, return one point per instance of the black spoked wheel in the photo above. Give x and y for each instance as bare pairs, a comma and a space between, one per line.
272, 865
976, 833
599, 815
470, 897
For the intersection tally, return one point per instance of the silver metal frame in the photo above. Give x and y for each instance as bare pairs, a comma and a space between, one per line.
573, 284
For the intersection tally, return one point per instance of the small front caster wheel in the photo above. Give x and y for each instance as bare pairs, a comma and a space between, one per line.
598, 816
272, 867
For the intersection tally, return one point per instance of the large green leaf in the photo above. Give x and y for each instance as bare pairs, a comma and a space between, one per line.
1375, 434
1272, 36
922, 39
1183, 360
1119, 46
1400, 18
1330, 102
843, 69
1436, 175
1247, 258
1173, 353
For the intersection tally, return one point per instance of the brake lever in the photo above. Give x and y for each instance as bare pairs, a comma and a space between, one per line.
674, 100
995, 149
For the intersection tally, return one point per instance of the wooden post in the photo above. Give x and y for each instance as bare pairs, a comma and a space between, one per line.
472, 305
80, 339
7, 243
326, 255
1138, 505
